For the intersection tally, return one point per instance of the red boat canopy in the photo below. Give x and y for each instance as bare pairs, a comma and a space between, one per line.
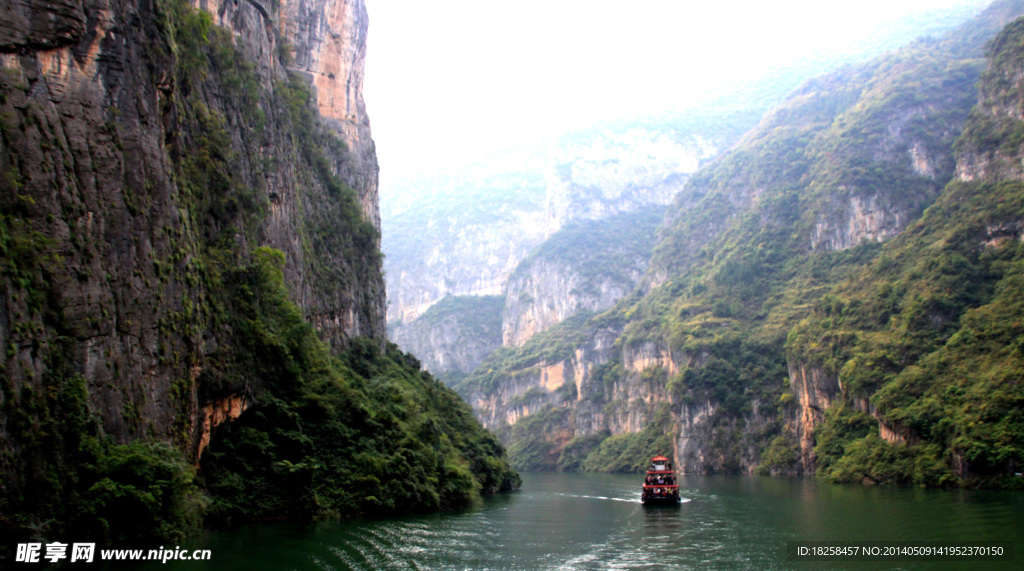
659, 459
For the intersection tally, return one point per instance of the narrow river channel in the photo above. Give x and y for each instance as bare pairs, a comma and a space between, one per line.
595, 521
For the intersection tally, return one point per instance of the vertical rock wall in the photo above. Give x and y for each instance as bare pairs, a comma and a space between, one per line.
107, 240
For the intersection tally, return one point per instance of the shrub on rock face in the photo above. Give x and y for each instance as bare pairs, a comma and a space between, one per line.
144, 492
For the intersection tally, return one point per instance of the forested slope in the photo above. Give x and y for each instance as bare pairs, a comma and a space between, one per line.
743, 351
190, 277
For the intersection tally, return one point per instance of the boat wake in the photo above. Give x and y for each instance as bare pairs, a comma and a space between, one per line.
629, 500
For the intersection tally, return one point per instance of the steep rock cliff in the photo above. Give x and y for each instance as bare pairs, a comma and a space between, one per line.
327, 40
990, 148
454, 335
709, 357
93, 132
915, 345
459, 236
323, 45
577, 396
815, 392
465, 235
105, 233
175, 213
586, 266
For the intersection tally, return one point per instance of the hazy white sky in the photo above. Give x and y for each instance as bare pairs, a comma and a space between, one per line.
448, 80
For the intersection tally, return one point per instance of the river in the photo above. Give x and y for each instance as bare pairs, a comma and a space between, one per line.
595, 521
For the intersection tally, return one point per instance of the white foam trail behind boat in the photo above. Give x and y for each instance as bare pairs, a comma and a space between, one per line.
630, 500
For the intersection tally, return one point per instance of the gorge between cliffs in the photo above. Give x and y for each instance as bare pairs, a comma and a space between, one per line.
214, 315
816, 282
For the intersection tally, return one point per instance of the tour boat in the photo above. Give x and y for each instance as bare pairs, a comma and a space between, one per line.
660, 487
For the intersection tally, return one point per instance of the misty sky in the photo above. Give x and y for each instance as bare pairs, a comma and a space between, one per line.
450, 80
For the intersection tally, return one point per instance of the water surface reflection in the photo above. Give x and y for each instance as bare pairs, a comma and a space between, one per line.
595, 521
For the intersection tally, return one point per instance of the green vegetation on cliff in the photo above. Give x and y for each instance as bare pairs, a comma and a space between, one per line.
453, 335
611, 250
830, 243
363, 432
185, 307
930, 333
80, 483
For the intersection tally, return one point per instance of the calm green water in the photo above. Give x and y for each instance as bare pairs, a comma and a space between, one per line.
595, 521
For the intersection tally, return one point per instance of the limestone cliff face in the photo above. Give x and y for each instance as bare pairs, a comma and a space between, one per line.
815, 392
454, 335
984, 153
41, 25
563, 382
458, 235
324, 42
466, 235
613, 172
327, 39
82, 138
547, 293
523, 235
925, 158
586, 266
605, 386
136, 151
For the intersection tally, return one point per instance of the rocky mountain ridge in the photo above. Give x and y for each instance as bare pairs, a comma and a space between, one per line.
487, 223
500, 244
585, 267
717, 358
589, 177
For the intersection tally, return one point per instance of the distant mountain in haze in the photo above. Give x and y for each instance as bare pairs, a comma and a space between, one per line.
838, 294
466, 233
